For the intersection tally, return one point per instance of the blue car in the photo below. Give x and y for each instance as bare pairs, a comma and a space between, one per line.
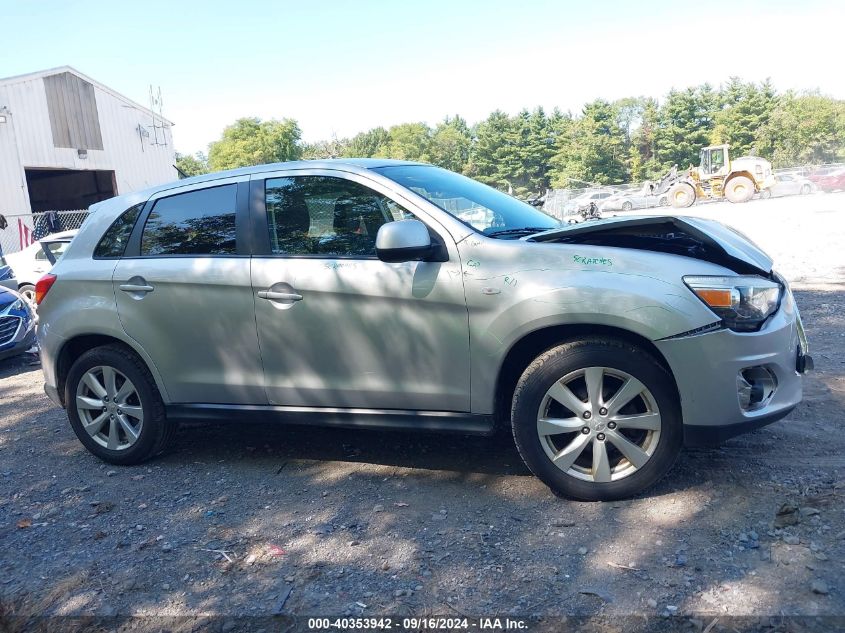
17, 324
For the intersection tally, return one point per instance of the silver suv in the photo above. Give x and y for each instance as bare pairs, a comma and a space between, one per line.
386, 294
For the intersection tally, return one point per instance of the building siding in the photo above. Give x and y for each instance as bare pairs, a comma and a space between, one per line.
72, 108
26, 141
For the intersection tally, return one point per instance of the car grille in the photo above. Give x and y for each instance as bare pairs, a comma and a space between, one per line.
8, 328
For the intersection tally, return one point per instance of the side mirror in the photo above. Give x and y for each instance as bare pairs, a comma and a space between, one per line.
403, 241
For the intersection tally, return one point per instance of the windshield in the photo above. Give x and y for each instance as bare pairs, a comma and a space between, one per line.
485, 209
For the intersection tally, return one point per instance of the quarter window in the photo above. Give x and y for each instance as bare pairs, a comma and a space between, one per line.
199, 222
113, 242
322, 215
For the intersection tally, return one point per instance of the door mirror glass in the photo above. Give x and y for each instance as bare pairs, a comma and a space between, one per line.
403, 241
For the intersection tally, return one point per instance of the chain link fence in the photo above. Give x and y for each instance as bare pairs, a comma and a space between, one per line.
19, 230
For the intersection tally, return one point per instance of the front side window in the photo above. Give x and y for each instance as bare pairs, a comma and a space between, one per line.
113, 243
322, 215
200, 222
483, 208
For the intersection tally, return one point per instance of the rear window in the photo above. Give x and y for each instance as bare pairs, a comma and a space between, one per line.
113, 242
199, 222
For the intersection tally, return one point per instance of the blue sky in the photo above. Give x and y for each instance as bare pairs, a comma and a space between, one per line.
343, 67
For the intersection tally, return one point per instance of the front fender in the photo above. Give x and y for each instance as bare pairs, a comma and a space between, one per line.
526, 289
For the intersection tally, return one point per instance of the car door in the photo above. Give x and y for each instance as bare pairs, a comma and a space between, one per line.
337, 326
183, 293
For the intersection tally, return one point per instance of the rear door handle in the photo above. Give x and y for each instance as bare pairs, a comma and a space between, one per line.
271, 295
136, 288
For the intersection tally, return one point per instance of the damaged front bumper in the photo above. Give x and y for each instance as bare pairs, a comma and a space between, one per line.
732, 382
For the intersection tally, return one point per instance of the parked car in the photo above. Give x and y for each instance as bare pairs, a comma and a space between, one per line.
343, 293
32, 262
789, 185
7, 275
830, 181
630, 200
17, 324
579, 203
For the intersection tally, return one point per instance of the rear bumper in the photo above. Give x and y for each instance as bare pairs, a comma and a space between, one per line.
706, 368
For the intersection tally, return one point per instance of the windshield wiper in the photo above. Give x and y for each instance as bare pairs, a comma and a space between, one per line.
519, 231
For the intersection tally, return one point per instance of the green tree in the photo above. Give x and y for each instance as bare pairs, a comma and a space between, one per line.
251, 141
407, 141
684, 125
489, 150
513, 153
332, 148
192, 164
450, 144
367, 144
594, 149
745, 111
804, 128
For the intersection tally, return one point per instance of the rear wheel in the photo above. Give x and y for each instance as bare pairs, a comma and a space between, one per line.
114, 406
597, 419
682, 195
739, 189
627, 206
805, 189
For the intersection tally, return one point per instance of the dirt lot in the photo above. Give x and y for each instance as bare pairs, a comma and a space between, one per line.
256, 520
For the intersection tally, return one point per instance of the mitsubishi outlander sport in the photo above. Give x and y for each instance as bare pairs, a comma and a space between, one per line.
386, 294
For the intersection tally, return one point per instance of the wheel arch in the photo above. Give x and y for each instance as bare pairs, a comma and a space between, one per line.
529, 346
736, 174
74, 347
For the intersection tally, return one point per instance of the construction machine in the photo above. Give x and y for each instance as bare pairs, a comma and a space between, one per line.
717, 177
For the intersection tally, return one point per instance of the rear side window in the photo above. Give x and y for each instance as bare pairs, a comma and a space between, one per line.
113, 242
199, 222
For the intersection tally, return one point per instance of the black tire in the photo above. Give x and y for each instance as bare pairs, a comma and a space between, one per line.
28, 292
627, 206
739, 189
806, 189
682, 195
156, 431
559, 361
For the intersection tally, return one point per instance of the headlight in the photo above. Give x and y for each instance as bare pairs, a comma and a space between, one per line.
742, 302
18, 304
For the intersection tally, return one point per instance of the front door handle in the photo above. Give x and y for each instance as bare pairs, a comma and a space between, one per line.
271, 295
136, 288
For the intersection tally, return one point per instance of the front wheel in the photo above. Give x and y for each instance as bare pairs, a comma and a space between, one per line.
682, 195
739, 189
597, 419
806, 189
114, 406
27, 291
627, 206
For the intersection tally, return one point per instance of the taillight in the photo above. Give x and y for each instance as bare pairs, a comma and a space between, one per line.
42, 287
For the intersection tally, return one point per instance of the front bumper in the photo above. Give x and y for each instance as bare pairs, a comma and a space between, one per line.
22, 340
706, 367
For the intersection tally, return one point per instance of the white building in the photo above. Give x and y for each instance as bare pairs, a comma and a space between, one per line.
67, 141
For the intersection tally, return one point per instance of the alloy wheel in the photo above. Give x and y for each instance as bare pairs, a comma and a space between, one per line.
109, 408
599, 424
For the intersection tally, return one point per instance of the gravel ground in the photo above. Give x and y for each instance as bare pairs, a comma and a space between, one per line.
257, 520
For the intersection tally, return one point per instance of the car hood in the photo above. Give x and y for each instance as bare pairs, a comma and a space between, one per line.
692, 237
7, 297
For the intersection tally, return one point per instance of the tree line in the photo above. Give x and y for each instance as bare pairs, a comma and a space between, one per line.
627, 140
